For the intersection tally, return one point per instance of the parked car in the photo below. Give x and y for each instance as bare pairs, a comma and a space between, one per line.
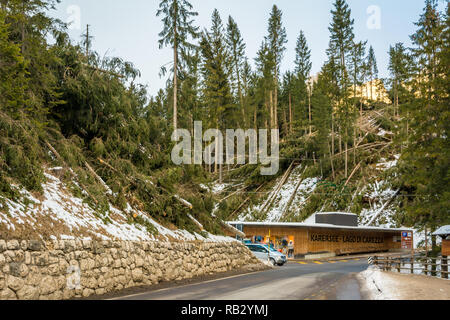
261, 251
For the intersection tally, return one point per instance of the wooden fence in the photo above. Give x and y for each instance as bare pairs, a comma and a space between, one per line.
427, 265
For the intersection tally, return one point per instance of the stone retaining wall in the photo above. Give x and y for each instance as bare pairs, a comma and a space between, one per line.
73, 268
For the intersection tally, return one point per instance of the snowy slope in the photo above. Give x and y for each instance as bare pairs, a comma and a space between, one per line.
275, 212
60, 215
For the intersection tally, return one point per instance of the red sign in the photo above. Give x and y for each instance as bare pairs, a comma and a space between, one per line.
407, 240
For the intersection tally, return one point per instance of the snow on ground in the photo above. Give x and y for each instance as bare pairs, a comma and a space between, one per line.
305, 190
277, 209
219, 187
380, 195
61, 215
383, 133
385, 165
379, 285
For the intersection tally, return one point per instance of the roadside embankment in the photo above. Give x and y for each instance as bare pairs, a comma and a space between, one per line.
380, 285
65, 269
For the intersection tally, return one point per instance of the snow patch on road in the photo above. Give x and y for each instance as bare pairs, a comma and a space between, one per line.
377, 285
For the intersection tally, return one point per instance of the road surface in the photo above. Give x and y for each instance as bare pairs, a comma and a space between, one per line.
294, 281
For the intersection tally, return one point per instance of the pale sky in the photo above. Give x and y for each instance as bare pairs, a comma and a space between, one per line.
129, 28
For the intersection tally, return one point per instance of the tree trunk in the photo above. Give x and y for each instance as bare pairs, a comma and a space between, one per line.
346, 153
332, 133
241, 98
175, 84
255, 119
371, 88
290, 112
331, 161
216, 153
272, 112
309, 106
275, 101
354, 144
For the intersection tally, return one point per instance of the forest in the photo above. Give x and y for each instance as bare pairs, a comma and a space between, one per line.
62, 104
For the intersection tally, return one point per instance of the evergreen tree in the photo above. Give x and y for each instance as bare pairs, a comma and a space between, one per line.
303, 67
276, 39
264, 112
427, 155
216, 69
400, 68
288, 88
13, 83
303, 62
236, 46
339, 51
178, 26
358, 69
372, 69
190, 90
29, 27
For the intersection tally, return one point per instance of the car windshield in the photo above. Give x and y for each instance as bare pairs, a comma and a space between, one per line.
271, 248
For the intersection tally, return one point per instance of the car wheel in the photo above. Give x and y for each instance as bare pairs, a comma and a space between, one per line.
272, 261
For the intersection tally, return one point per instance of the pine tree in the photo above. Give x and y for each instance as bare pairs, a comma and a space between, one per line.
13, 83
339, 51
303, 62
236, 46
276, 39
399, 66
322, 114
190, 90
288, 88
29, 27
358, 69
216, 69
303, 67
248, 93
372, 69
427, 155
265, 62
178, 26
325, 90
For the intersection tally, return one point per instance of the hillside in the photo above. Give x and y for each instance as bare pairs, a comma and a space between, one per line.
86, 151
300, 191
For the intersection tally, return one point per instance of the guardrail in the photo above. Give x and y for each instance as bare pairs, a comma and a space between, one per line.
438, 266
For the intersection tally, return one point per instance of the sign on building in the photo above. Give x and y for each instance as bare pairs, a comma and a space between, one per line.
407, 240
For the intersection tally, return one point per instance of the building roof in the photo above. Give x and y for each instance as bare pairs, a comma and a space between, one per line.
442, 231
314, 225
338, 213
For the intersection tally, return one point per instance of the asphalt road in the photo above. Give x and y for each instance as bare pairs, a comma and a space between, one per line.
294, 281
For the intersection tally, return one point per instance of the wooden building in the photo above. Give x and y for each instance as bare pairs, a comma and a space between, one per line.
444, 233
317, 238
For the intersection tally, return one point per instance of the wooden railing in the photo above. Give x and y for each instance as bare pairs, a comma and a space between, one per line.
427, 265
